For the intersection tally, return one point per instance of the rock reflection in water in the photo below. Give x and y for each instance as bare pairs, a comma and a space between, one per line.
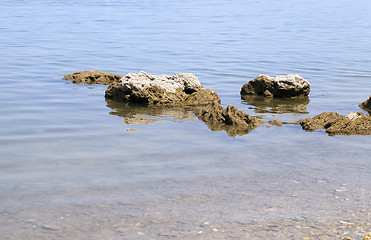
141, 114
277, 105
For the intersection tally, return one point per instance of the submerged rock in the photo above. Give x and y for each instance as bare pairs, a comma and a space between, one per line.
229, 119
280, 86
366, 105
351, 124
179, 89
93, 77
276, 123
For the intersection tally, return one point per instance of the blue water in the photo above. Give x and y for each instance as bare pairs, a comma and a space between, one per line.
70, 169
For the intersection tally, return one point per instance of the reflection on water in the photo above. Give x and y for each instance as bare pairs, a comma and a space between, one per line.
232, 131
277, 105
142, 114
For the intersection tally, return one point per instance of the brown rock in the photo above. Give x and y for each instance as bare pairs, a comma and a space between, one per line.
276, 123
93, 77
229, 119
366, 105
279, 86
319, 121
351, 124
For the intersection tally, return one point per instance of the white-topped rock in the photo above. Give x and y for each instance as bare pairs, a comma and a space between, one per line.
179, 89
279, 86
142, 80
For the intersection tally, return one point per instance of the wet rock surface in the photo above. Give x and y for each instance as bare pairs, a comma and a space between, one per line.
179, 89
279, 87
276, 123
229, 119
351, 124
366, 105
93, 77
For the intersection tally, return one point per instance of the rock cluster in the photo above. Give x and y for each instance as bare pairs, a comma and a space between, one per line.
229, 119
93, 77
179, 89
351, 124
185, 90
366, 105
280, 86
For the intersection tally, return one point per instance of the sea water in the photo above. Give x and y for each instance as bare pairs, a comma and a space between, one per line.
76, 166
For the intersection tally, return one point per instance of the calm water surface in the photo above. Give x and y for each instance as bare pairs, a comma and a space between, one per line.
72, 168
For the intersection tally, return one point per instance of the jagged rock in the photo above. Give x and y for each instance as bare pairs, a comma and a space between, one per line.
229, 119
276, 123
351, 124
366, 105
319, 121
279, 86
179, 89
93, 77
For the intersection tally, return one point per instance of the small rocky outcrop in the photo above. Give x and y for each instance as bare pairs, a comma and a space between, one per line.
279, 87
351, 124
276, 123
93, 77
229, 119
179, 89
366, 105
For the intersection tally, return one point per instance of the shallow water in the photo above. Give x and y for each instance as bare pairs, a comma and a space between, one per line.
72, 166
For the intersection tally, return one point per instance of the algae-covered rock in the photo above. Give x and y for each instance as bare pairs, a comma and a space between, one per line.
93, 77
229, 119
319, 121
280, 86
366, 105
179, 89
351, 124
276, 123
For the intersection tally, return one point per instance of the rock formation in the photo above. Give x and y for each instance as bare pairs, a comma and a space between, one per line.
278, 87
93, 77
179, 89
276, 123
366, 105
351, 124
229, 119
